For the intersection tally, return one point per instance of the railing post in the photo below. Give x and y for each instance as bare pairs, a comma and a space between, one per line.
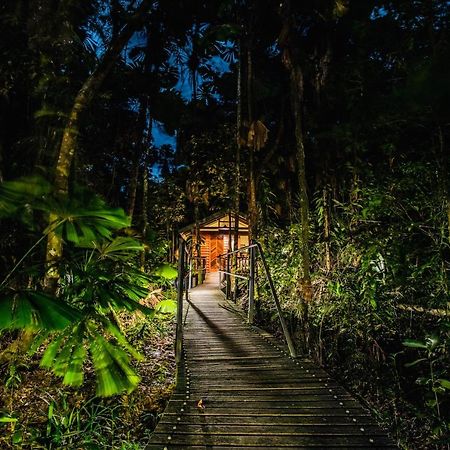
235, 281
227, 277
287, 335
251, 286
190, 275
179, 329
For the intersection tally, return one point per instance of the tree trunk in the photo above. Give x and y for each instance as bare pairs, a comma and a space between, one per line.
132, 188
239, 140
145, 176
448, 216
326, 226
296, 76
252, 206
141, 151
252, 202
444, 190
198, 249
290, 59
85, 95
18, 347
173, 246
289, 202
237, 190
69, 140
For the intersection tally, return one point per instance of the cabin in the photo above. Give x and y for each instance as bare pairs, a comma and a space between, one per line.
217, 235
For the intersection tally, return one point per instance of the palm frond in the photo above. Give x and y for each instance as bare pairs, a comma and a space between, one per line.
18, 194
36, 310
68, 353
122, 248
112, 367
84, 226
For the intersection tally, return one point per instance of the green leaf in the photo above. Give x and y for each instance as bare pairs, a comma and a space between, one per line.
71, 233
6, 419
122, 248
438, 389
121, 339
17, 194
82, 224
17, 437
49, 356
444, 383
122, 295
54, 314
166, 271
32, 309
74, 375
16, 312
38, 340
51, 408
65, 356
6, 312
102, 231
422, 381
414, 344
166, 307
47, 112
432, 342
112, 368
417, 361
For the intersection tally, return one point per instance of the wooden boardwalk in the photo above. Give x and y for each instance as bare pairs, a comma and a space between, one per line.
238, 390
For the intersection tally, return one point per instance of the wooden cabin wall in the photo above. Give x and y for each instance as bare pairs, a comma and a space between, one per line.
216, 249
243, 240
215, 244
205, 250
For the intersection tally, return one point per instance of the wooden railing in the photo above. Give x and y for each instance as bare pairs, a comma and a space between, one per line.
181, 288
197, 270
234, 265
191, 272
240, 264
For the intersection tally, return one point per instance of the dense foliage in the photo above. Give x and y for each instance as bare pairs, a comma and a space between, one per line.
349, 192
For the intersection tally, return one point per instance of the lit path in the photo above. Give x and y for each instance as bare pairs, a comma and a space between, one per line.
253, 395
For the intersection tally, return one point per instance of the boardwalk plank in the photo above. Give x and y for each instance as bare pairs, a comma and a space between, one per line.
259, 447
268, 420
323, 429
281, 441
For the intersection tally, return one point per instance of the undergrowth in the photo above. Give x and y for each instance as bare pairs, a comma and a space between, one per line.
39, 412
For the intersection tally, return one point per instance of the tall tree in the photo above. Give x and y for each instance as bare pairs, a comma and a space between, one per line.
71, 131
288, 41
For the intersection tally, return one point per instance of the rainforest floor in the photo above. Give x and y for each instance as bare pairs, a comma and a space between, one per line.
49, 415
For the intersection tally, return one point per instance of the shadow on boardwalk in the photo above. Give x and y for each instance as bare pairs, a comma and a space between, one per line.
237, 390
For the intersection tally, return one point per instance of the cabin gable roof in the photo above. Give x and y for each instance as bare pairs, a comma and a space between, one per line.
216, 222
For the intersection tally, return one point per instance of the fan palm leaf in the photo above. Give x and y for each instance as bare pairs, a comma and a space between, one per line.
68, 353
36, 310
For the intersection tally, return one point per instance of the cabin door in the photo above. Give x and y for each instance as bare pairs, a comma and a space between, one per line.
216, 249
